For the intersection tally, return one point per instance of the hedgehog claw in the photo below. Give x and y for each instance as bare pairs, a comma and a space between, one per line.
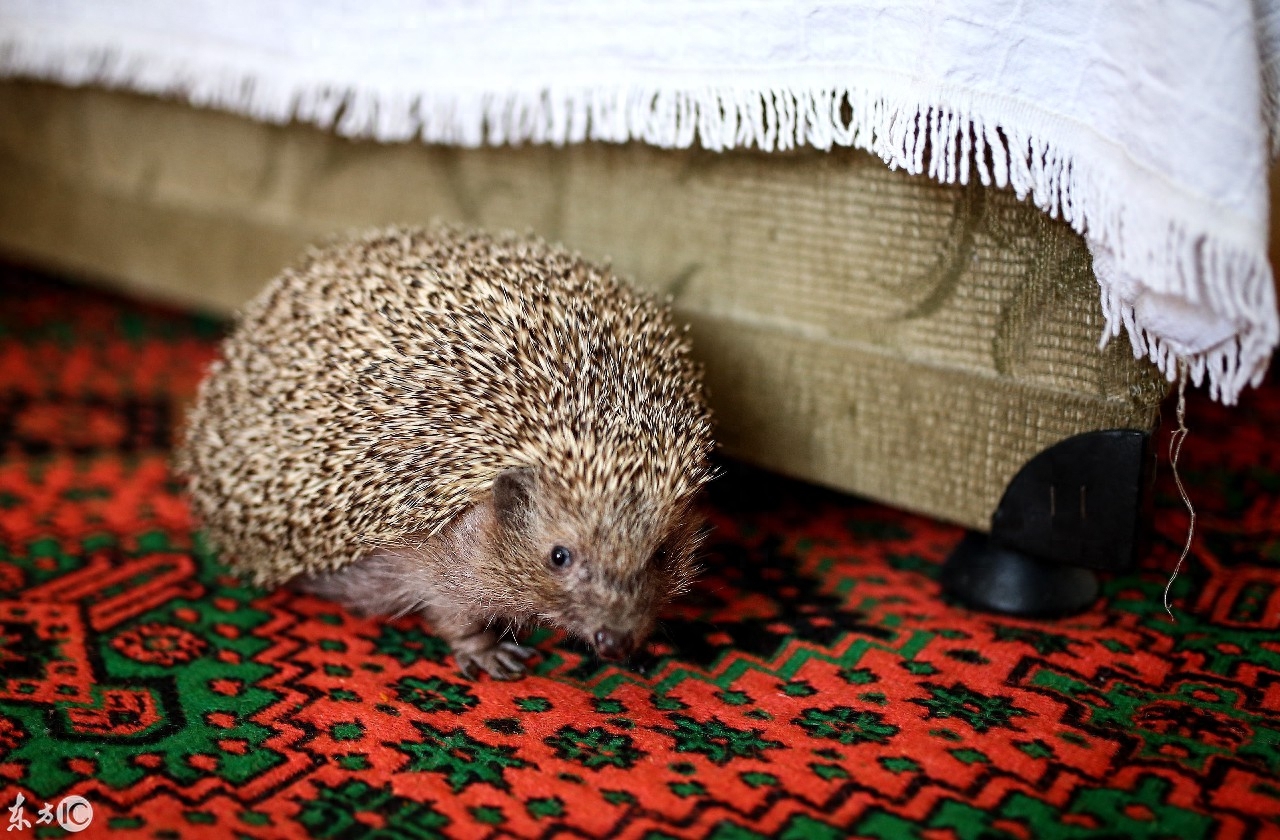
501, 661
514, 657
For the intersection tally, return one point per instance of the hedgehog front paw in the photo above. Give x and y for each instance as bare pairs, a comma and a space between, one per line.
484, 652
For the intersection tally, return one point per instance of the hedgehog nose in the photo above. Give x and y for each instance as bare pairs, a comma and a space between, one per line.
613, 646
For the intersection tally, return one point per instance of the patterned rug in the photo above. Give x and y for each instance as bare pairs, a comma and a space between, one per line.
814, 685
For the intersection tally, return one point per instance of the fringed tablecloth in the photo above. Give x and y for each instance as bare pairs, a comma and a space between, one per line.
1147, 126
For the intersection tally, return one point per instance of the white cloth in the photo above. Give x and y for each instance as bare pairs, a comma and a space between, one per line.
1144, 124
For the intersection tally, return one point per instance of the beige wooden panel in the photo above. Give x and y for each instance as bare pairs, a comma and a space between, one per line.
939, 442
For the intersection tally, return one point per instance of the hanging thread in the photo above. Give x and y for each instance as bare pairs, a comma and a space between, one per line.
1175, 449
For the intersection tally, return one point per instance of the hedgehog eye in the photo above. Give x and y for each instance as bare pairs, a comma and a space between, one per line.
561, 558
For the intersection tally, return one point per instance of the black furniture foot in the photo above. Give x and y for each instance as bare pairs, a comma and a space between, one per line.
988, 577
1074, 508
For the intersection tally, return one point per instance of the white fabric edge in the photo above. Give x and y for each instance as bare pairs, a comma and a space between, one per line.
1066, 170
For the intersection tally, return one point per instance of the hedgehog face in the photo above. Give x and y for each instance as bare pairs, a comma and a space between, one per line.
601, 574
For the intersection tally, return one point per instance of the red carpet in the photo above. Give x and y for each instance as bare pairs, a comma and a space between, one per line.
814, 685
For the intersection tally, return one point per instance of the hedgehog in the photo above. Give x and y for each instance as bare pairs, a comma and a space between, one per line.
489, 430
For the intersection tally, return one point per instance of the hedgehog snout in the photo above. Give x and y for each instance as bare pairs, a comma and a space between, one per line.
613, 644
622, 622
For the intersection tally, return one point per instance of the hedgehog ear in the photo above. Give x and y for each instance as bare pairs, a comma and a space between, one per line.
513, 491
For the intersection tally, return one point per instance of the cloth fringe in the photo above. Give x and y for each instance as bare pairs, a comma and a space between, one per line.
1001, 144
